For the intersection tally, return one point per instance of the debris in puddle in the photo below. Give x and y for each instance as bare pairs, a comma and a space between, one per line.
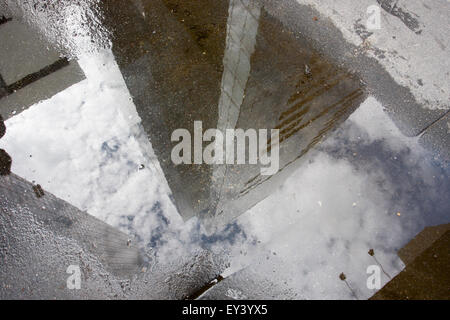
371, 253
197, 294
38, 191
2, 127
343, 277
308, 72
5, 163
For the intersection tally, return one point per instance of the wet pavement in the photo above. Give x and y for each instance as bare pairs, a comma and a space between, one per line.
229, 65
349, 179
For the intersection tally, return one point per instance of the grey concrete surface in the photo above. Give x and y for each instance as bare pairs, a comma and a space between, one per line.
31, 69
113, 248
411, 45
22, 52
331, 32
40, 240
4, 9
174, 85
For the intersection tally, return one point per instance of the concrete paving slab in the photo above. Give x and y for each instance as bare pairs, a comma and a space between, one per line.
393, 61
4, 10
23, 52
